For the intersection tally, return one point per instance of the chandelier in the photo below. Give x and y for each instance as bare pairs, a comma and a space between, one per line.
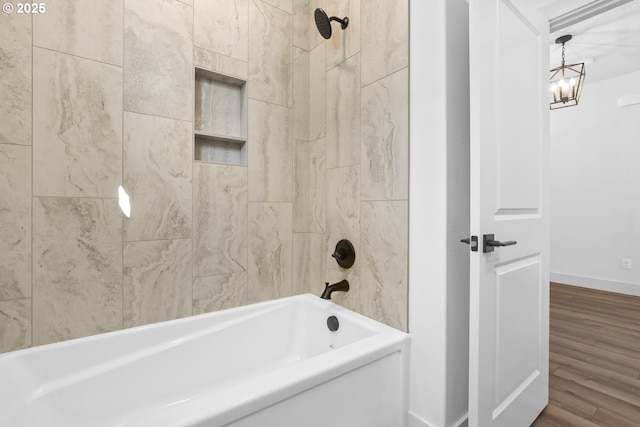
566, 81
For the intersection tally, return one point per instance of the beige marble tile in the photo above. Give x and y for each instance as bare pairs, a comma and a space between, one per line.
219, 219
157, 177
222, 26
317, 185
189, 2
343, 213
300, 94
317, 263
15, 222
156, 281
301, 190
222, 64
89, 29
270, 54
343, 114
158, 58
15, 324
270, 152
286, 5
301, 24
15, 84
77, 139
385, 46
350, 299
301, 262
213, 293
77, 268
317, 93
270, 251
384, 257
345, 43
314, 35
385, 138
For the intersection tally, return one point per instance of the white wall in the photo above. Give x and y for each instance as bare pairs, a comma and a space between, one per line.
595, 196
439, 212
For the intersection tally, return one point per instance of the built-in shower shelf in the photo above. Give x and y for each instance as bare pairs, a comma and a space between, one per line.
220, 113
219, 137
215, 148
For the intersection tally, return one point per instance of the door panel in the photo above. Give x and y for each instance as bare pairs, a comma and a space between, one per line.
509, 295
517, 328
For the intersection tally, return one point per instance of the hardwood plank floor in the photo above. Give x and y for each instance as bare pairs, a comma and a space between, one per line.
594, 359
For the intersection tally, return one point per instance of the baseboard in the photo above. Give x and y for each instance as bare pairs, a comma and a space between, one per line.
416, 421
595, 283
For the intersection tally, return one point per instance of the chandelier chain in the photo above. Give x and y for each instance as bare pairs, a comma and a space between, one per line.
562, 55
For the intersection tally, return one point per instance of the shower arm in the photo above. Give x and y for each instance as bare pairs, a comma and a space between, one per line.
343, 22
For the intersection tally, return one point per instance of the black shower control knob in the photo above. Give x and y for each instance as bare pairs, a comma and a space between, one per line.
344, 254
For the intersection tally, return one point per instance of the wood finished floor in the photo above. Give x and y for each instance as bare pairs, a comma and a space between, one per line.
594, 360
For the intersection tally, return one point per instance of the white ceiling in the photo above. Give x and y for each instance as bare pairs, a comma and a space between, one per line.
611, 38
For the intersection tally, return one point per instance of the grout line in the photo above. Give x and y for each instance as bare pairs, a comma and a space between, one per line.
75, 197
124, 12
383, 77
151, 115
32, 174
78, 56
272, 103
192, 143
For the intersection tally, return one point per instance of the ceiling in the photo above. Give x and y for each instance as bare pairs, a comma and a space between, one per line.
608, 42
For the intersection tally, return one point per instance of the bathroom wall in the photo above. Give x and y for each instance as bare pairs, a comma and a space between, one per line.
101, 94
351, 154
594, 196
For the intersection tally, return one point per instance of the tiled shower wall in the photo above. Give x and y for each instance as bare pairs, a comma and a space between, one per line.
98, 94
351, 157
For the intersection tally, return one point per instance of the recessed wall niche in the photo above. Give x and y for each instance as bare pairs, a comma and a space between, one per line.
220, 111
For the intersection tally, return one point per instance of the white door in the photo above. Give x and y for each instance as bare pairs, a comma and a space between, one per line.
509, 312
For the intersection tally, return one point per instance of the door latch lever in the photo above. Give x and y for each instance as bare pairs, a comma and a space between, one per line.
471, 241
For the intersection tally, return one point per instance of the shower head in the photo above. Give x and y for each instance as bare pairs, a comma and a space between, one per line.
323, 22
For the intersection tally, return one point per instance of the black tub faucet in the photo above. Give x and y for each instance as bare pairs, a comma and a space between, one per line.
341, 286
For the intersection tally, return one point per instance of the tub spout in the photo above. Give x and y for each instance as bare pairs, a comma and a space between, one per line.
342, 286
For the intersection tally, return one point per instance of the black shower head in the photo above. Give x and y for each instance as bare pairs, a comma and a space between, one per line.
323, 22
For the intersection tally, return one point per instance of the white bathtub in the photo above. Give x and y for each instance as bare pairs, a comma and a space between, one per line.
272, 364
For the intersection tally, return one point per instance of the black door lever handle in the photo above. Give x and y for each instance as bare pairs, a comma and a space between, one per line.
489, 243
497, 243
